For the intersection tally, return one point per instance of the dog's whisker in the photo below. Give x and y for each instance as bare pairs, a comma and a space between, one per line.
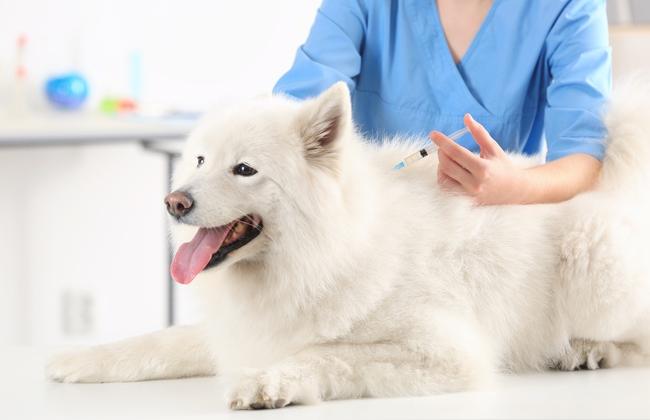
290, 197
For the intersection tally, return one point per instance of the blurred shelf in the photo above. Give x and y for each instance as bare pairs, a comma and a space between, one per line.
52, 129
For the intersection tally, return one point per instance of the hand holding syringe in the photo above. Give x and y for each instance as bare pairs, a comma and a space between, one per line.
422, 153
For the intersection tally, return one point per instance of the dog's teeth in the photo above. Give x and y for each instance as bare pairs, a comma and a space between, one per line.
239, 228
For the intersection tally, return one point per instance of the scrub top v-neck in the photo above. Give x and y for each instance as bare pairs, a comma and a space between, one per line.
535, 69
446, 77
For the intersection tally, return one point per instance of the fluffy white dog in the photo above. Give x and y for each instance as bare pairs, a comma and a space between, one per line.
325, 274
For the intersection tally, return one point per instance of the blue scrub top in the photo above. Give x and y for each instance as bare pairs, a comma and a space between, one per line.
536, 69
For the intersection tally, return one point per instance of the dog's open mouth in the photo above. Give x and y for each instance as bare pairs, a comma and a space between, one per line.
211, 246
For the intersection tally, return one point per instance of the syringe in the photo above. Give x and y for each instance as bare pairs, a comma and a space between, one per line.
422, 153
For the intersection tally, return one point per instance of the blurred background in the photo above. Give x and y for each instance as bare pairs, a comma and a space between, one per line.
89, 89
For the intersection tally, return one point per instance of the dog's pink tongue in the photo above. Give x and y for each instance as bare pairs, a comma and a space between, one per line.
192, 257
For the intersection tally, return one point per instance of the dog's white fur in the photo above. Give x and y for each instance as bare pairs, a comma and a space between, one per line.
371, 282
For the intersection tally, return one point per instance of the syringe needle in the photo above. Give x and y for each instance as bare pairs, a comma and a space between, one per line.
422, 153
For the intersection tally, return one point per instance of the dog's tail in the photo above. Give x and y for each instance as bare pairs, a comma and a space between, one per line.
627, 158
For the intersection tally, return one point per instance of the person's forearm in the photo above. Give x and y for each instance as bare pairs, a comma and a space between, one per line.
559, 180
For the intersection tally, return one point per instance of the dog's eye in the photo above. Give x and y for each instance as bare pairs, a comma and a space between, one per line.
199, 161
243, 170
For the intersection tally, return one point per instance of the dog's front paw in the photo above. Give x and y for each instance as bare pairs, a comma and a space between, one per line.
273, 388
79, 365
588, 355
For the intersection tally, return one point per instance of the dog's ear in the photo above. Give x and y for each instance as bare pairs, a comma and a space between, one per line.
323, 122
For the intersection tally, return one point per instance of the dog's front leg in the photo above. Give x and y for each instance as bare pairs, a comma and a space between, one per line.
340, 371
170, 353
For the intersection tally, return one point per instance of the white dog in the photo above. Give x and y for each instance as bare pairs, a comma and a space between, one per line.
326, 274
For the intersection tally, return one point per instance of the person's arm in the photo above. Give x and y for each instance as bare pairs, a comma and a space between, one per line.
491, 178
560, 179
579, 63
331, 53
578, 57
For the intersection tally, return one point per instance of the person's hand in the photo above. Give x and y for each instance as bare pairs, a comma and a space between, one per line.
490, 178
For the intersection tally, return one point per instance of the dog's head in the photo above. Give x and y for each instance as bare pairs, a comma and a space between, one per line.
244, 172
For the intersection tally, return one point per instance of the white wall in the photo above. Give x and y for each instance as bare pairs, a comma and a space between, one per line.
630, 51
194, 52
90, 220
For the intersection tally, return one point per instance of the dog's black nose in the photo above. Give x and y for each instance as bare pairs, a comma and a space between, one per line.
178, 203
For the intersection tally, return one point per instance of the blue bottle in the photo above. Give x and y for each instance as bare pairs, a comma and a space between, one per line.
67, 91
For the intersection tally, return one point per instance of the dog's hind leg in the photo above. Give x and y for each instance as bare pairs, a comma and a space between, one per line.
604, 283
588, 354
170, 353
341, 371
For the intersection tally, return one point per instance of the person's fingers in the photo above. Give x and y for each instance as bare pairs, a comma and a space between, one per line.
458, 153
489, 146
456, 172
448, 183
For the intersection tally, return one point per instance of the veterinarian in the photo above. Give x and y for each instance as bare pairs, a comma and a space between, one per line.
529, 71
